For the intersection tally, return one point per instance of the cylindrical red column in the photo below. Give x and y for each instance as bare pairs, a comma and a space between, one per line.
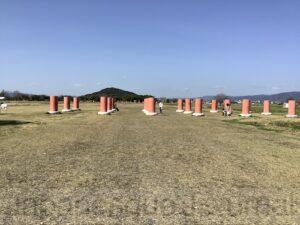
145, 105
109, 104
75, 103
103, 106
180, 105
188, 106
66, 104
246, 107
198, 107
292, 109
266, 108
151, 105
148, 105
53, 104
214, 106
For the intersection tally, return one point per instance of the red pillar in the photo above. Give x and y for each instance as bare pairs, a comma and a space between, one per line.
103, 106
292, 109
149, 106
145, 105
53, 105
198, 107
266, 108
75, 103
246, 108
152, 105
180, 105
67, 107
188, 106
214, 106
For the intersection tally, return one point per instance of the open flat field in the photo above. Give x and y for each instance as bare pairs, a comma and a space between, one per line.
81, 168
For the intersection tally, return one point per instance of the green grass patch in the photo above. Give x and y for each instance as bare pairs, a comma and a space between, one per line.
251, 123
292, 125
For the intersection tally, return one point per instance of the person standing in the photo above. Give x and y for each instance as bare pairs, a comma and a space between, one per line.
161, 106
116, 107
227, 110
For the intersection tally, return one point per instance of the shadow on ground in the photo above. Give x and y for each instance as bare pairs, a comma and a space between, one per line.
12, 122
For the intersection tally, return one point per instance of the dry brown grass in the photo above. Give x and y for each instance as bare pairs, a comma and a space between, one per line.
81, 168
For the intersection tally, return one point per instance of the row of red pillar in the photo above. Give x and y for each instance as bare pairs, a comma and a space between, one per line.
246, 106
188, 106
67, 104
149, 106
106, 105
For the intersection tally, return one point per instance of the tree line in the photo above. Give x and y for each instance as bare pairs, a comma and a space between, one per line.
19, 96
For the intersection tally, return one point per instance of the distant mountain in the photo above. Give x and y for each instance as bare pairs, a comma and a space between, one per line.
118, 94
281, 97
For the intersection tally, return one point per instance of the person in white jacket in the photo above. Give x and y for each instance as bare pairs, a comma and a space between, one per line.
161, 106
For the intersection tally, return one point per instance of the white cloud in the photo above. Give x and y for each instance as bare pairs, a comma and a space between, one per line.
78, 85
34, 84
187, 89
275, 88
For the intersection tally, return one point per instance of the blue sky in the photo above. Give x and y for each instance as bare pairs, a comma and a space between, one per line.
166, 48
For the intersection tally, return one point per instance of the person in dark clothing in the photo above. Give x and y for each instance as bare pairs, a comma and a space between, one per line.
115, 107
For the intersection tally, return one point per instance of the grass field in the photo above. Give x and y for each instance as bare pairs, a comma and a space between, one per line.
127, 168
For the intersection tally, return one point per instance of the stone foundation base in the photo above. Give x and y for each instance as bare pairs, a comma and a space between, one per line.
66, 110
266, 114
188, 112
179, 110
151, 113
245, 115
53, 112
291, 116
103, 113
213, 111
198, 114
